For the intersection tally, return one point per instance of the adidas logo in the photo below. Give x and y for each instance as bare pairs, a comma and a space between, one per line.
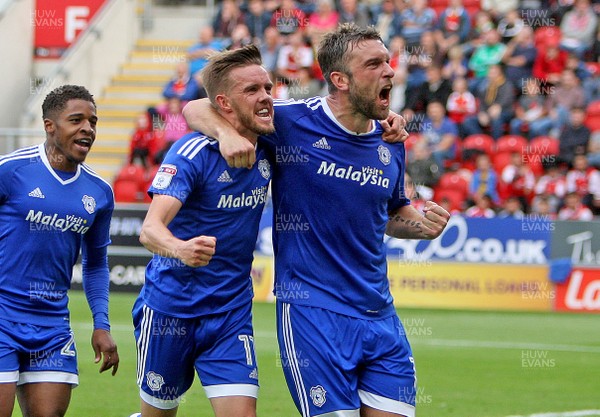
322, 144
224, 177
37, 193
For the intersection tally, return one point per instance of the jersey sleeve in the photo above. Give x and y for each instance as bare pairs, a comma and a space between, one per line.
399, 198
177, 176
99, 234
6, 173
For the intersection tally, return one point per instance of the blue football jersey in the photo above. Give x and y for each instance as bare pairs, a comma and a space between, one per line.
46, 218
332, 191
217, 201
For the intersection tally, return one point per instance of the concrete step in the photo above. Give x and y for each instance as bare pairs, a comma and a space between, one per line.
107, 168
135, 80
108, 132
104, 160
117, 138
126, 102
132, 89
163, 45
149, 68
133, 105
108, 151
159, 57
116, 126
106, 114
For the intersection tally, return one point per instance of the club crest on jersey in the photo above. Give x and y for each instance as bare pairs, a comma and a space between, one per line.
155, 381
163, 176
385, 156
317, 394
264, 168
89, 204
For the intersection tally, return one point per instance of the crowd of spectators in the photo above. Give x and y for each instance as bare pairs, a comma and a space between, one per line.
502, 96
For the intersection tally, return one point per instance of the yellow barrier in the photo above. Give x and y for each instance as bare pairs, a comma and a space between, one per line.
448, 285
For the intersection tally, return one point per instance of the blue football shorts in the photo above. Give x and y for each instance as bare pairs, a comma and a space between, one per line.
33, 354
219, 347
334, 363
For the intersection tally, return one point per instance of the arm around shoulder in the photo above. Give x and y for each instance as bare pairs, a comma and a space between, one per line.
238, 151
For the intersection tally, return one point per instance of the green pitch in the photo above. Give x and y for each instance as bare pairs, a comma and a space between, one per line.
469, 364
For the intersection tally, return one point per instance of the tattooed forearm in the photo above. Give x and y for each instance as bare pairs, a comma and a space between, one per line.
399, 220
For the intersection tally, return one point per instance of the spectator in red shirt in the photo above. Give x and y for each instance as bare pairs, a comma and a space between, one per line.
584, 180
144, 141
550, 63
461, 102
574, 209
552, 185
482, 208
517, 179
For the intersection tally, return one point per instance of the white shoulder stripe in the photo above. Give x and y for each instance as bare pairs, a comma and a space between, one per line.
199, 147
19, 152
25, 150
195, 145
17, 157
284, 102
93, 173
312, 103
188, 145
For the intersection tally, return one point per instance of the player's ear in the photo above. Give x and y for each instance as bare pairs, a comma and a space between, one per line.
49, 125
340, 80
223, 102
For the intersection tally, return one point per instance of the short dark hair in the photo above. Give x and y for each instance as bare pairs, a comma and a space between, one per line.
215, 75
57, 99
334, 47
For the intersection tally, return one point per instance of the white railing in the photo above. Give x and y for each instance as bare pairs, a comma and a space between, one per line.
93, 59
3, 6
14, 138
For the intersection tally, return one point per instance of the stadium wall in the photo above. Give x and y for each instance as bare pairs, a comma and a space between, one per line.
531, 264
16, 31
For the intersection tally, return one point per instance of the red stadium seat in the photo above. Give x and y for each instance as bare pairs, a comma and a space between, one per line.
149, 178
411, 140
544, 145
592, 116
132, 172
511, 143
438, 3
126, 191
541, 148
456, 199
480, 142
453, 181
501, 160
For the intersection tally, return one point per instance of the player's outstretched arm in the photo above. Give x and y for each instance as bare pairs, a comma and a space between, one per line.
201, 116
409, 223
394, 128
157, 238
95, 285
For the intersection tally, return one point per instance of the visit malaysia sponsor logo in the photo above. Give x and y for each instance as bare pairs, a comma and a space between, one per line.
40, 221
257, 197
362, 176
